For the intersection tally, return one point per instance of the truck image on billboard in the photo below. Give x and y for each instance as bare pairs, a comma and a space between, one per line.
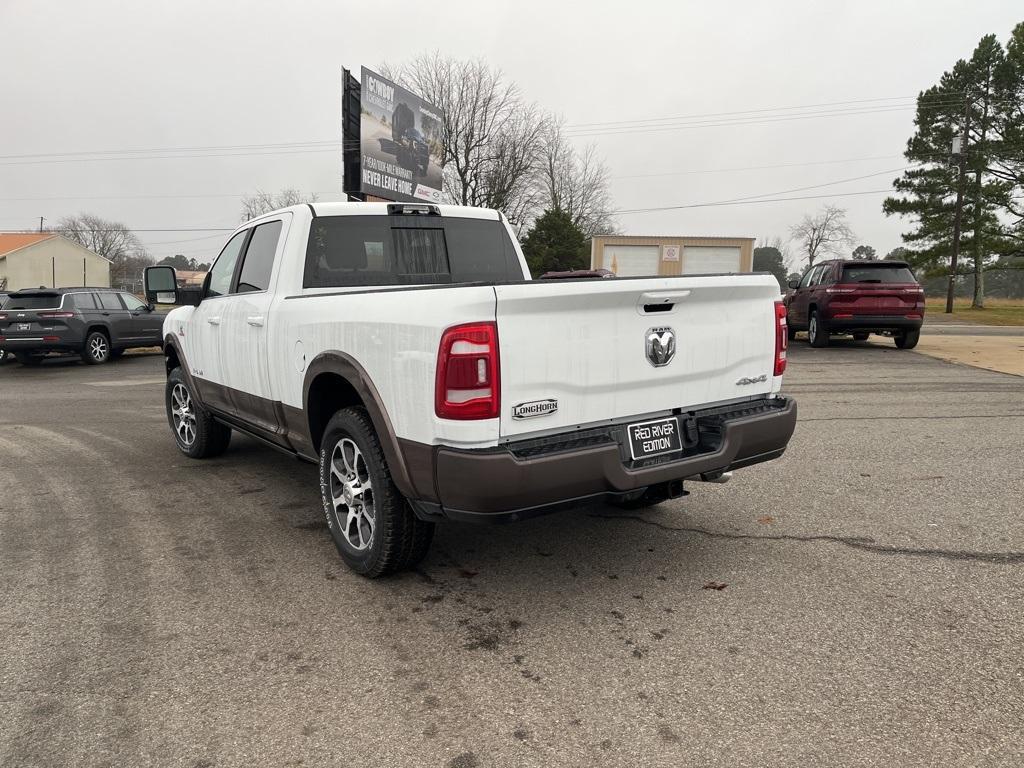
399, 142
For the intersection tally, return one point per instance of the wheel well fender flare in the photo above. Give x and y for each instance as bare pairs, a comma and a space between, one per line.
347, 368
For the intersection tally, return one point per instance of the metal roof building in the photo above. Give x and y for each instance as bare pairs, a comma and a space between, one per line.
48, 260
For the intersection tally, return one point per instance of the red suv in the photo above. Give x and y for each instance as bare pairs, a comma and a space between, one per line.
859, 298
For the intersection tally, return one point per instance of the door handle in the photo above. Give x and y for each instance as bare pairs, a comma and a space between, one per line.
256, 320
213, 320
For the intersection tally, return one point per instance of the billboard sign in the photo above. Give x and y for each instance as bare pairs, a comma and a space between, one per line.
399, 142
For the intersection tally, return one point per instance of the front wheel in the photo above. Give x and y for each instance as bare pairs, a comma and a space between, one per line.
196, 432
907, 339
373, 526
817, 333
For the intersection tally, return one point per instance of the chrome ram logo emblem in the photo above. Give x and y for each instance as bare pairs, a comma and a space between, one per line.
660, 345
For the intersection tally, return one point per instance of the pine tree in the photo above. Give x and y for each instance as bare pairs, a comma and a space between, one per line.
555, 244
963, 104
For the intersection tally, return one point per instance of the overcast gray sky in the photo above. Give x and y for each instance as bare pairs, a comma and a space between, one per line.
82, 77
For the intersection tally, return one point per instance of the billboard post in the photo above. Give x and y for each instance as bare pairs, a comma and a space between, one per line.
398, 136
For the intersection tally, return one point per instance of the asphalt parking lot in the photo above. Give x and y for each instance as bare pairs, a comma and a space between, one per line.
160, 611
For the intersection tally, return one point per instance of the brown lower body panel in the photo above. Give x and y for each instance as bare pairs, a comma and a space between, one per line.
499, 484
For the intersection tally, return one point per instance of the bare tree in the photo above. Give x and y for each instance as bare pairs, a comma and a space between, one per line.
576, 183
824, 233
264, 202
492, 139
110, 239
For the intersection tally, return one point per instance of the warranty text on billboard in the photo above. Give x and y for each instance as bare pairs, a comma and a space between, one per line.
400, 142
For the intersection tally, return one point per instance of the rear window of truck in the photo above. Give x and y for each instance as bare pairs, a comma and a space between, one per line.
877, 273
388, 250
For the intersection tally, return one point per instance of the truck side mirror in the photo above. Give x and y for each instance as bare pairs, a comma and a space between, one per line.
161, 283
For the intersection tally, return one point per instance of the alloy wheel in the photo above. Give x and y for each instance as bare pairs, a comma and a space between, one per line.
352, 494
183, 416
98, 347
812, 329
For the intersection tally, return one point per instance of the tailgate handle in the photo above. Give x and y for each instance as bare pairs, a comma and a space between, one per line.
660, 301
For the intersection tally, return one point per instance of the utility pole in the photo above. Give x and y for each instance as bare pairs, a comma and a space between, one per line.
40, 224
958, 212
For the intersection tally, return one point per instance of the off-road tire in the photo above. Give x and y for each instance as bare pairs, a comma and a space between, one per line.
907, 339
27, 358
96, 350
211, 438
861, 336
817, 332
398, 539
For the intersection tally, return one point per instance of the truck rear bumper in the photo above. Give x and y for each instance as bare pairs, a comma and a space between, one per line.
531, 478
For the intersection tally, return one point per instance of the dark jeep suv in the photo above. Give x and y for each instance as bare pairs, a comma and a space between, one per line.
858, 298
97, 323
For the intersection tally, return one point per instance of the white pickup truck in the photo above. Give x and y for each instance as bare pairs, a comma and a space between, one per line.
405, 349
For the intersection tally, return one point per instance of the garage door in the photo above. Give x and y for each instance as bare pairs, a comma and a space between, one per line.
631, 260
703, 259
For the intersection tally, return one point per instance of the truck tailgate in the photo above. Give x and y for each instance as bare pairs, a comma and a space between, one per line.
583, 343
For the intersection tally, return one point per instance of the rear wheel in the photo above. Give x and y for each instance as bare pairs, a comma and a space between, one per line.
907, 339
3, 356
373, 526
860, 336
97, 348
197, 433
817, 333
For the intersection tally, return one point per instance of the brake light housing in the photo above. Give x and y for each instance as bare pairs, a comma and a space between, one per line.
468, 379
781, 338
56, 314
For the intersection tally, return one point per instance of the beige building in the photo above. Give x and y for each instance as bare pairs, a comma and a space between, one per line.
29, 260
635, 256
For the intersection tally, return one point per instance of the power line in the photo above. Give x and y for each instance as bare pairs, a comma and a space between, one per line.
743, 111
757, 198
752, 167
752, 202
721, 124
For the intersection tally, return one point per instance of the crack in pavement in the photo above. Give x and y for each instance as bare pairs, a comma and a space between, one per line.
856, 542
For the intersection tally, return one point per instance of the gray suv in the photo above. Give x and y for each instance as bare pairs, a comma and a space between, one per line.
96, 323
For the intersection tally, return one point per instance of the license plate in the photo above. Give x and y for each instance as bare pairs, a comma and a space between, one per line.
24, 326
653, 438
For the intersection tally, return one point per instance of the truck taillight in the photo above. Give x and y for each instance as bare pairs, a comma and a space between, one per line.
468, 383
781, 338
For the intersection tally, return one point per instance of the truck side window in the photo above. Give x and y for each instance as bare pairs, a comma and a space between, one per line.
224, 269
259, 258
